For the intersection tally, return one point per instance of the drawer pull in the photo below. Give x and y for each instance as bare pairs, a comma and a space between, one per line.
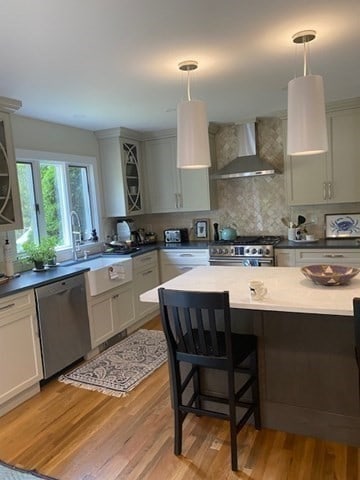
145, 259
186, 255
6, 307
333, 255
147, 273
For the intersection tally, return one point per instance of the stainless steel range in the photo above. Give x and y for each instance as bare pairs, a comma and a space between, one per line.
255, 251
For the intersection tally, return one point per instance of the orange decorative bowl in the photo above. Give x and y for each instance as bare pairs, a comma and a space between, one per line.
330, 275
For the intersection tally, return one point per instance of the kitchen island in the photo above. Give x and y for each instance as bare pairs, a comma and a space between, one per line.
308, 373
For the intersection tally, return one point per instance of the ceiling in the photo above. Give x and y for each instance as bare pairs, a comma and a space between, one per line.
99, 64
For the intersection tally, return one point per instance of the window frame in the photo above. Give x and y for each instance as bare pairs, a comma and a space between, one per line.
35, 158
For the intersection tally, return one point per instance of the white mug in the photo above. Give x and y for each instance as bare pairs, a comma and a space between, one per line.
257, 289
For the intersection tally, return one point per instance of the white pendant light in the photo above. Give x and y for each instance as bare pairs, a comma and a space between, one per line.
193, 150
306, 126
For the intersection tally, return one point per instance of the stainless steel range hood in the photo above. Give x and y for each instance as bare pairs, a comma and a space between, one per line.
247, 163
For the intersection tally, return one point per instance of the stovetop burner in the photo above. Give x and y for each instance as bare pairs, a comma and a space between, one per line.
250, 240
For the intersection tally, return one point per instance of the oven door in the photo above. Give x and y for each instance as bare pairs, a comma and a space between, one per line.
242, 262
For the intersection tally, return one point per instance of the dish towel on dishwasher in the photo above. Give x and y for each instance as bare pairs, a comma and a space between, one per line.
116, 272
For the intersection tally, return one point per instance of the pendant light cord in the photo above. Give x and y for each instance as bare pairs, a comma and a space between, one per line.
307, 69
188, 85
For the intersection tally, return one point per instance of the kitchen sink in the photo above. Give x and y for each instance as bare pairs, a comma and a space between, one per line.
105, 273
70, 263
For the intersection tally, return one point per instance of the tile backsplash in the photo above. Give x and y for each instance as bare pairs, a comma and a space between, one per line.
254, 205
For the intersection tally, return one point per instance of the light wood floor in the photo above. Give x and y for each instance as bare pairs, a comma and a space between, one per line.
76, 434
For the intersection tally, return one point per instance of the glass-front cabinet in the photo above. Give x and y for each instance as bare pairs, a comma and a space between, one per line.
10, 210
121, 172
132, 177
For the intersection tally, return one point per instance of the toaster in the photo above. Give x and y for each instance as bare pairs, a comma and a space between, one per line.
176, 235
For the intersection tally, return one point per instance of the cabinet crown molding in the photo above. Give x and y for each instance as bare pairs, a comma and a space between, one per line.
119, 132
345, 104
9, 105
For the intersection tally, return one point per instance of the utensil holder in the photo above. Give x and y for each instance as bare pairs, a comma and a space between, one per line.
291, 233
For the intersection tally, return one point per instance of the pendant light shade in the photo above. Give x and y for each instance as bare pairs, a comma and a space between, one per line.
193, 150
306, 132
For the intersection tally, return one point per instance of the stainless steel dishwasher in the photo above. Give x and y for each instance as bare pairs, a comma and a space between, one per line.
63, 323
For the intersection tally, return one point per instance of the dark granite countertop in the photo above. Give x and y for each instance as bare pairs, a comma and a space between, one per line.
32, 279
322, 243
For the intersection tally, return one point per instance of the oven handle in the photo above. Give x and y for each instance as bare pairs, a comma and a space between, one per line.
243, 262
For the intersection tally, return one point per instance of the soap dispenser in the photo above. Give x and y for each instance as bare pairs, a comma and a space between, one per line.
8, 262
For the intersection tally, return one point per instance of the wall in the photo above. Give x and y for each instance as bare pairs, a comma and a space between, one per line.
254, 205
33, 134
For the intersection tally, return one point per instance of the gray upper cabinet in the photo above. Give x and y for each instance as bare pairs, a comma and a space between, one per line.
332, 177
170, 189
10, 208
121, 172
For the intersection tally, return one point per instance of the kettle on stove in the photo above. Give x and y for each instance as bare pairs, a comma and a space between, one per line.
228, 233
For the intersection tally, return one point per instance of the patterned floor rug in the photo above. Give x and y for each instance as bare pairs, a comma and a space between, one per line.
8, 472
122, 367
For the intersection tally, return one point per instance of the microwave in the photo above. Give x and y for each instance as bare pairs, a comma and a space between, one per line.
176, 235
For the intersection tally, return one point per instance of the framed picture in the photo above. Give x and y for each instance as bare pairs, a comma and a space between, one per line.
201, 229
342, 225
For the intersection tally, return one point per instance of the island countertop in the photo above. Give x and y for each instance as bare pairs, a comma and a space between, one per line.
288, 289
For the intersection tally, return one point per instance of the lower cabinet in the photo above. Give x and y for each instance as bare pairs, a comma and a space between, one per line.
287, 257
146, 277
110, 313
329, 256
21, 366
174, 262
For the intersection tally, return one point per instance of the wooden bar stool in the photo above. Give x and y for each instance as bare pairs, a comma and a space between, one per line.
356, 302
197, 326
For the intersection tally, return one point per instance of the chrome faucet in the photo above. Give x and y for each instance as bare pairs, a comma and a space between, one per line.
75, 233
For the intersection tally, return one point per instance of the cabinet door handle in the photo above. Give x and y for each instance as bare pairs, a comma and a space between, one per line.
6, 307
333, 255
176, 200
324, 191
115, 296
329, 190
147, 273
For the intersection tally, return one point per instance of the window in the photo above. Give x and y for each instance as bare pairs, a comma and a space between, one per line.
51, 187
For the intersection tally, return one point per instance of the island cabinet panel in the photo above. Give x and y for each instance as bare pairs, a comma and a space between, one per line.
310, 378
331, 177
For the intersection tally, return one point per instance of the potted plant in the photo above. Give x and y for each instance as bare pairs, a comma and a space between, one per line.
42, 253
